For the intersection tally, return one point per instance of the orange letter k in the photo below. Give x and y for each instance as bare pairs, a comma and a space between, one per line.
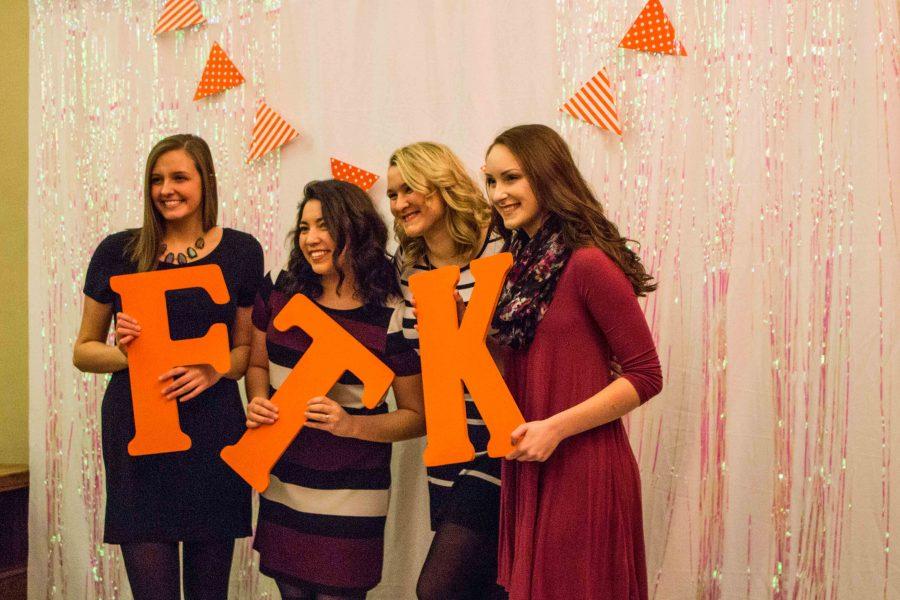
453, 353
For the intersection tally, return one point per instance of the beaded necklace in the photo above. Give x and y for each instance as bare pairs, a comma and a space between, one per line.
183, 257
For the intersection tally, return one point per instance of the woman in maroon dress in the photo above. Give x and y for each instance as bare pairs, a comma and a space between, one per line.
570, 522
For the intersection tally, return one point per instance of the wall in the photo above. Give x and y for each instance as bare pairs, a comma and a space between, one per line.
13, 233
757, 172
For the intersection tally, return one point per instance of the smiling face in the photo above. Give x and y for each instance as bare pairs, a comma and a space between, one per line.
510, 193
315, 240
416, 212
175, 186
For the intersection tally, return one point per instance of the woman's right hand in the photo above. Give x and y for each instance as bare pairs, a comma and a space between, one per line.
261, 411
127, 330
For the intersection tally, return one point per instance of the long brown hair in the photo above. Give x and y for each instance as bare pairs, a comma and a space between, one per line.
143, 247
432, 168
562, 192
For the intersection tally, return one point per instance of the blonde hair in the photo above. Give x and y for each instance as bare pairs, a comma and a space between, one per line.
144, 246
428, 167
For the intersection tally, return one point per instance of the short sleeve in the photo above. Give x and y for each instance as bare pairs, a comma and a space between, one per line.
399, 353
408, 319
262, 310
610, 299
106, 262
252, 273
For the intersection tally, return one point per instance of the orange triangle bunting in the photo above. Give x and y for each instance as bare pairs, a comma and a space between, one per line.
346, 172
178, 14
218, 74
594, 103
652, 31
270, 131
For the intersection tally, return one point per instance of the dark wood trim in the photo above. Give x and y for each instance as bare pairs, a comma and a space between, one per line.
13, 572
13, 477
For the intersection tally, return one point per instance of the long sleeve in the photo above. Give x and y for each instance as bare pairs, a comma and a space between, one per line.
610, 299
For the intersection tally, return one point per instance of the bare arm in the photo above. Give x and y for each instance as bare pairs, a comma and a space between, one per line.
240, 343
91, 353
256, 380
260, 410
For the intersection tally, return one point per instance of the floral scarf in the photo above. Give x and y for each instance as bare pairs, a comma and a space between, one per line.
538, 263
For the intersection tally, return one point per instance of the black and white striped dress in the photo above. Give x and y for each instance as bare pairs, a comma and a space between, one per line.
463, 493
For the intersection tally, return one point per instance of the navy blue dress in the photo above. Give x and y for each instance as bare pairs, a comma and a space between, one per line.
191, 495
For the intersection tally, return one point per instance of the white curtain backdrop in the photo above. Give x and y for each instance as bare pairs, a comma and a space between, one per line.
759, 174
357, 80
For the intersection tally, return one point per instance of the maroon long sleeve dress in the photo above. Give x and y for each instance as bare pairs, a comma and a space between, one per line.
571, 527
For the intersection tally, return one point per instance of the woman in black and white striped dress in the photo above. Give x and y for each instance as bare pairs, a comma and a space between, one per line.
442, 218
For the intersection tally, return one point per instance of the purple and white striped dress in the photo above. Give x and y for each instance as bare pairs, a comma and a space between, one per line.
321, 520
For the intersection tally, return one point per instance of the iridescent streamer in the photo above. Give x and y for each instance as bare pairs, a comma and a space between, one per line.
739, 171
758, 175
101, 109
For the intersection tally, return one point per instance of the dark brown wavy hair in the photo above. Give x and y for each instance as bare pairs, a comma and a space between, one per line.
561, 190
354, 225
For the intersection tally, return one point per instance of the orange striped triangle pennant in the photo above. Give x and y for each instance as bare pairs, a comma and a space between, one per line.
652, 31
346, 172
177, 14
594, 103
270, 131
219, 74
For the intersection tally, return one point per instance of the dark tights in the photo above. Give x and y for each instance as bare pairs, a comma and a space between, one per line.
154, 571
292, 592
461, 565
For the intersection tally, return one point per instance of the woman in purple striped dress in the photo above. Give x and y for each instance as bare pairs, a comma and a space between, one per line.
320, 531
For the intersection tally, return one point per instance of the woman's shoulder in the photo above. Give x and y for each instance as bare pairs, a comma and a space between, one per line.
119, 239
394, 303
591, 264
113, 246
493, 244
404, 274
239, 238
387, 314
274, 282
277, 279
588, 256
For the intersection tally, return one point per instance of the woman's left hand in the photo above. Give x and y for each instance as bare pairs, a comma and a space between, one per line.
534, 441
188, 382
324, 413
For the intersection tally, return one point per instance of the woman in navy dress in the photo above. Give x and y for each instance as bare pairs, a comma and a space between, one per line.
156, 502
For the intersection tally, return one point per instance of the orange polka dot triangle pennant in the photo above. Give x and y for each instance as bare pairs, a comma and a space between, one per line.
178, 14
594, 103
218, 74
270, 131
346, 172
652, 31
